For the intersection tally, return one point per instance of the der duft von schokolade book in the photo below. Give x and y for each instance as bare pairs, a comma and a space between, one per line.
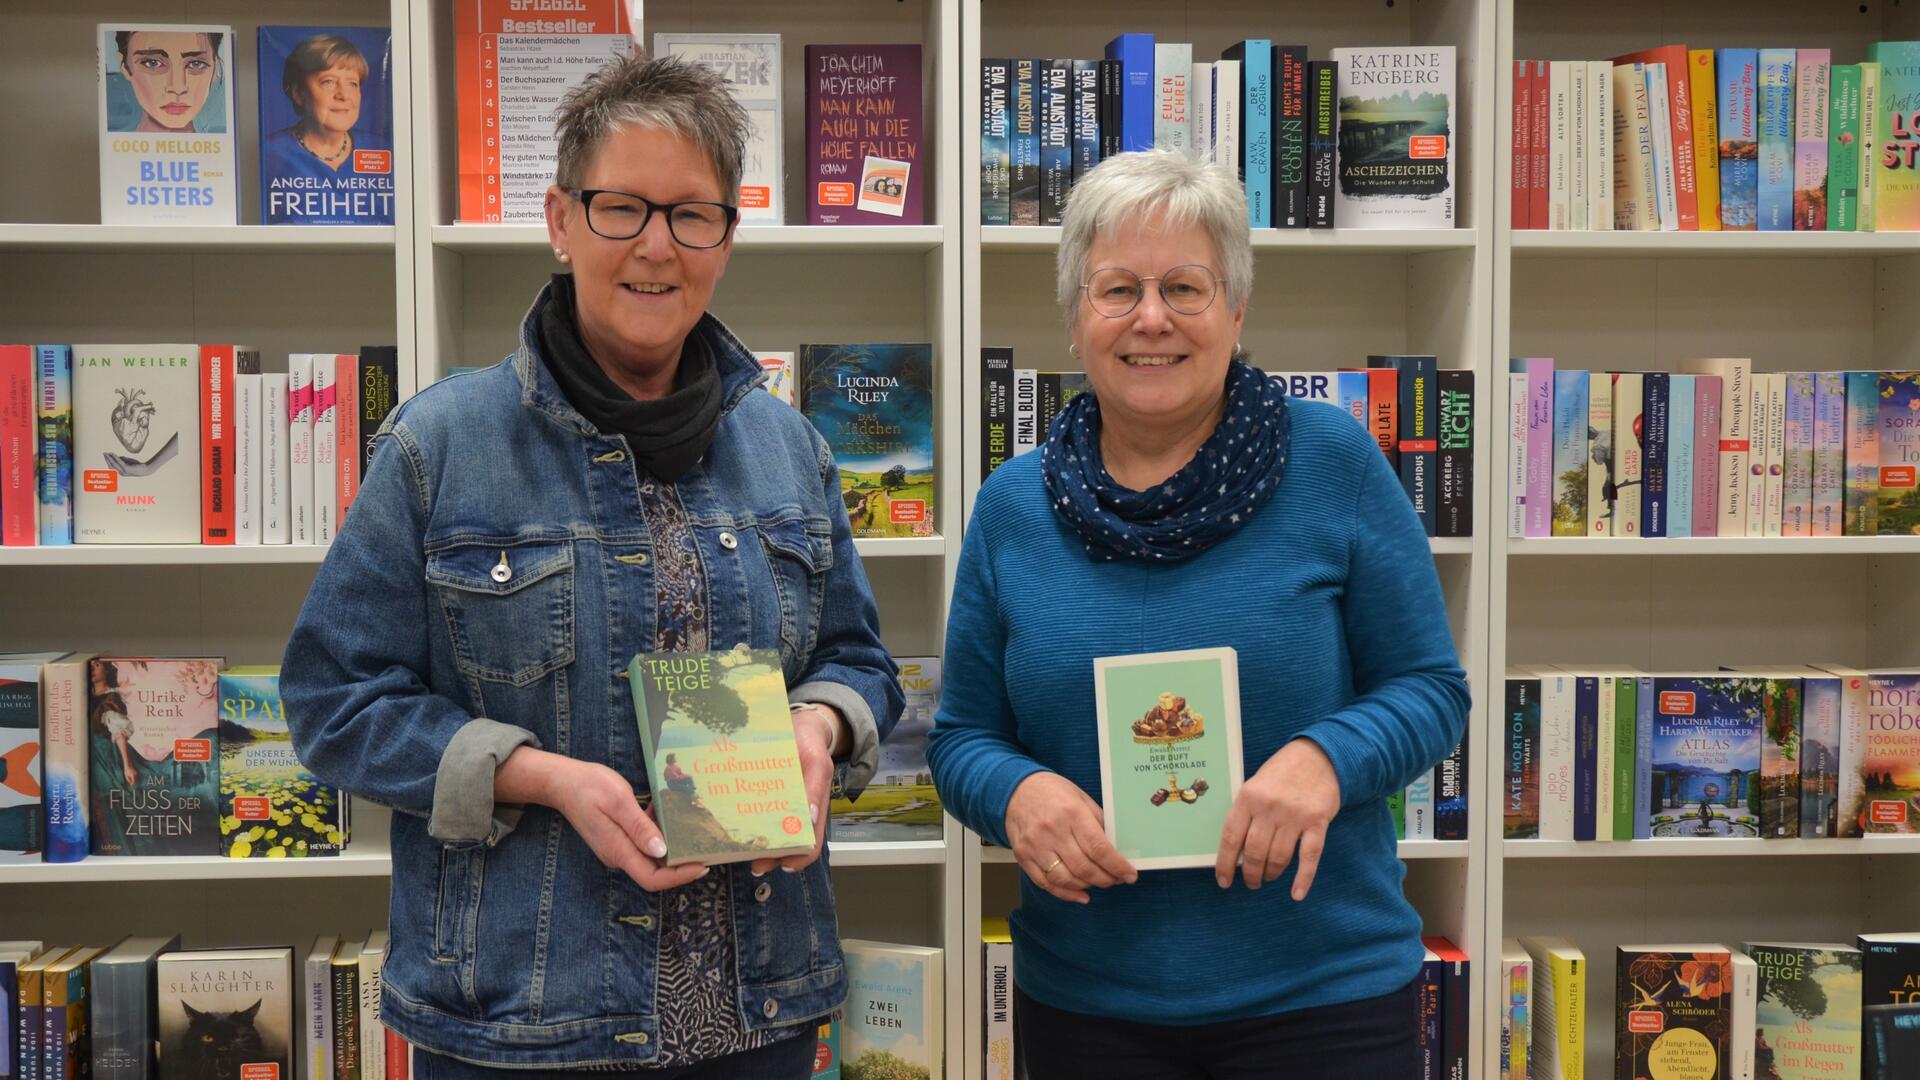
1170, 753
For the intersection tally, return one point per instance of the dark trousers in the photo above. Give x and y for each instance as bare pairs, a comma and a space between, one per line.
1375, 1039
788, 1059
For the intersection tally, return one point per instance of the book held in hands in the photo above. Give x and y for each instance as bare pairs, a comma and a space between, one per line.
1170, 754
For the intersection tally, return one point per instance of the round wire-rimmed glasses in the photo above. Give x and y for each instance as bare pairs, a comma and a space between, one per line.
1115, 291
622, 215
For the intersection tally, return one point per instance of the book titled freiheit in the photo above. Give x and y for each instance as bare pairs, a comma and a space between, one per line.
167, 128
1396, 141
326, 125
1170, 754
721, 756
865, 164
874, 406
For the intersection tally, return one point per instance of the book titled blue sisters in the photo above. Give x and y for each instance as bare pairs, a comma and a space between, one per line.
326, 122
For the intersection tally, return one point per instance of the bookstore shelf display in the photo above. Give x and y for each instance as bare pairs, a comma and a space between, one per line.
748, 239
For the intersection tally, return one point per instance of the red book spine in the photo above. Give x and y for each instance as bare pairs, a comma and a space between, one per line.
399, 1056
1383, 410
346, 458
1542, 144
1522, 149
217, 467
19, 491
1686, 185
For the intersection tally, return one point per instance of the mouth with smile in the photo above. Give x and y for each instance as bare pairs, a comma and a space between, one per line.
1152, 360
648, 288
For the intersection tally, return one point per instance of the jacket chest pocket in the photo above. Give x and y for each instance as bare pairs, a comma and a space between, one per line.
509, 608
799, 554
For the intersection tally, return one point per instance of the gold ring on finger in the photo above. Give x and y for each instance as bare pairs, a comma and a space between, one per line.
1050, 866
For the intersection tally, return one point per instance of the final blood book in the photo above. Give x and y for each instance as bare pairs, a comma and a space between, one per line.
874, 406
1170, 753
326, 125
155, 775
136, 444
167, 124
1807, 1026
900, 802
1673, 1011
893, 1012
721, 757
1705, 776
1396, 138
271, 806
750, 64
865, 161
226, 1013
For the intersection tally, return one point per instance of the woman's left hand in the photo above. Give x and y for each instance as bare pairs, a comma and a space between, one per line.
813, 732
1291, 800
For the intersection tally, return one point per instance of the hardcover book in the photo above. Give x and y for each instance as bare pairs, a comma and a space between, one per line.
167, 125
1807, 1024
865, 160
1396, 137
1323, 134
1896, 123
1706, 761
1055, 112
125, 1029
894, 1011
54, 407
63, 715
326, 124
66, 1044
1889, 968
1170, 753
996, 206
874, 406
226, 1013
1023, 142
721, 758
1899, 494
1559, 1006
153, 727
1672, 1014
271, 805
136, 444
750, 64
900, 802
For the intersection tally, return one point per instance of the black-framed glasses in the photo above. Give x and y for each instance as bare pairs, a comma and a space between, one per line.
1115, 291
622, 215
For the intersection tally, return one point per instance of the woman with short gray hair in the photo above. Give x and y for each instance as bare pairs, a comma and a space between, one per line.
1182, 502
618, 486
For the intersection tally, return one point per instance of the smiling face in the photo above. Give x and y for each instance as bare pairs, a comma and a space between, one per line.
638, 299
171, 74
333, 98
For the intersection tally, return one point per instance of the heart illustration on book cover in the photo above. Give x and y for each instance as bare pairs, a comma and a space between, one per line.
132, 424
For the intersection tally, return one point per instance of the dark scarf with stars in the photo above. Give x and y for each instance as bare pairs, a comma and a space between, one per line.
1231, 477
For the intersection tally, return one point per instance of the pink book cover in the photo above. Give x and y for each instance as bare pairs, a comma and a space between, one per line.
19, 490
346, 441
1829, 452
866, 162
1539, 445
1706, 456
1811, 70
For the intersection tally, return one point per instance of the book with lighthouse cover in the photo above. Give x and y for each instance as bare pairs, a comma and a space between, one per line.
1170, 755
721, 757
167, 130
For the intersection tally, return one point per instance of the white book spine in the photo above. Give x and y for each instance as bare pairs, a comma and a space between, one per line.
1579, 168
246, 455
1026, 411
1517, 455
1629, 459
326, 436
1419, 807
998, 1010
1758, 413
1560, 145
1226, 114
373, 1034
274, 473
316, 1063
1603, 761
1746, 1017
1599, 422
1600, 139
1172, 123
1776, 479
1200, 109
1660, 110
1556, 756
300, 447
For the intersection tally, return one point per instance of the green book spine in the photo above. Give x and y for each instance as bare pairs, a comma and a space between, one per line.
1625, 722
1843, 149
1397, 805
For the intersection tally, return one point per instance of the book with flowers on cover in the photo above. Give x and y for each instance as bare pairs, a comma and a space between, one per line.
1673, 1005
1170, 755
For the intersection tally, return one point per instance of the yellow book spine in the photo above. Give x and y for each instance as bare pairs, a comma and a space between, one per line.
1570, 1015
1704, 87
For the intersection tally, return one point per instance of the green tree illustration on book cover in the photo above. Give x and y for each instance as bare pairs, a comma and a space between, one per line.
721, 757
874, 406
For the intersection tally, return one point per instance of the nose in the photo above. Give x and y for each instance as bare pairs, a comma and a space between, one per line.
1151, 315
655, 242
177, 79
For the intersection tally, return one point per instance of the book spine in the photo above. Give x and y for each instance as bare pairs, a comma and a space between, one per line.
1660, 110
1850, 812
1560, 144
1026, 410
275, 472
1086, 118
380, 393
1135, 53
346, 1021
1600, 145
1636, 193
1737, 77
1626, 749
1761, 452
1539, 446
998, 1010
1455, 517
1811, 69
53, 1026
19, 439
1226, 114
1172, 125
1780, 750
1629, 458
1517, 409
1556, 757
1024, 143
1419, 803
1055, 107
1200, 109
1796, 498
1419, 442
1112, 76
1429, 1006
1323, 120
326, 448
1899, 454
399, 1056
1569, 453
216, 444
55, 416
1863, 454
1256, 139
1455, 986
1450, 793
1657, 387
996, 408
1522, 147
1702, 87
1869, 145
1539, 195
1600, 457
1775, 118
1775, 488
27, 1018
346, 458
995, 207
1586, 751
1520, 813
1707, 398
1290, 137
1819, 754
120, 999
1843, 149
316, 1062
246, 458
1680, 455
1383, 409
300, 449
1829, 453
1736, 445
1579, 144
66, 779
1603, 760
1686, 178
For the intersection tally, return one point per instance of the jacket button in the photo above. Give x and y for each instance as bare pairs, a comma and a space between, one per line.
761, 892
770, 1009
728, 541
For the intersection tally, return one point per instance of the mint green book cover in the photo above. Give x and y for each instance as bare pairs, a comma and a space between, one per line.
721, 757
1625, 724
271, 806
895, 999
1170, 756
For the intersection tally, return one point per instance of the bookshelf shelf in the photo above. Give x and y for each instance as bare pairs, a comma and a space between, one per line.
763, 239
1038, 238
1409, 850
1709, 545
1690, 849
1539, 243
290, 554
248, 239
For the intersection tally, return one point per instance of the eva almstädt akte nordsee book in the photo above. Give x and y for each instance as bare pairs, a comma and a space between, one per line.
1170, 754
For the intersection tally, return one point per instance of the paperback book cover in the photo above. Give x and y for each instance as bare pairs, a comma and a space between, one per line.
895, 998
1559, 1006
874, 406
996, 206
1323, 133
1170, 753
54, 407
1739, 88
1889, 968
865, 164
22, 819
1396, 145
1899, 512
226, 1013
1776, 139
750, 63
1890, 757
1055, 111
124, 1017
900, 802
1705, 774
271, 805
167, 125
1807, 1026
1896, 122
1821, 707
63, 715
1891, 1034
1843, 149
326, 123
1672, 1009
1812, 77
1863, 454
721, 759
153, 726
996, 947
1570, 453
136, 444
1521, 793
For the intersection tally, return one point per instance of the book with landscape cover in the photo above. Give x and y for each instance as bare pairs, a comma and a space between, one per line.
750, 64
226, 1013
1673, 1011
1889, 778
1807, 1024
326, 125
1396, 137
900, 802
167, 124
1706, 756
874, 406
721, 758
894, 1015
271, 805
865, 141
155, 774
1170, 753
136, 444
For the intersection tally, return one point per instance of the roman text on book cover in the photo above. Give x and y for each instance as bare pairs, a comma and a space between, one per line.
1170, 755
864, 136
167, 125
874, 406
155, 774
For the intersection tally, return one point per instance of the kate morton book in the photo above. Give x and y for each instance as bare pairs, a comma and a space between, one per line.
721, 757
1170, 757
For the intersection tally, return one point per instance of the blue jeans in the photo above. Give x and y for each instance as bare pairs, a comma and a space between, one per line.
788, 1059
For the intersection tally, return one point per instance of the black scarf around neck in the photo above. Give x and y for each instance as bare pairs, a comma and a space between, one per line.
668, 436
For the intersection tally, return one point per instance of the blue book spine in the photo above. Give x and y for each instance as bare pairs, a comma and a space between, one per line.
995, 105
1680, 456
1586, 756
1135, 53
1023, 125
1086, 117
1352, 395
1775, 119
1570, 453
1737, 75
1643, 760
1654, 475
1256, 127
1056, 137
53, 364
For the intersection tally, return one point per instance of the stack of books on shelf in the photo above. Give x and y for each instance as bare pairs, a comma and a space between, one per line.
1762, 1011
1679, 139
1434, 806
1361, 140
1720, 450
1775, 752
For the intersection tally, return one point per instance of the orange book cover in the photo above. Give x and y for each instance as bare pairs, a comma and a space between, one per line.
217, 468
1686, 186
1703, 86
346, 456
1383, 409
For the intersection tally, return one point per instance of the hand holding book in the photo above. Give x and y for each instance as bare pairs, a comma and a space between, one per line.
817, 731
1058, 839
600, 805
1287, 804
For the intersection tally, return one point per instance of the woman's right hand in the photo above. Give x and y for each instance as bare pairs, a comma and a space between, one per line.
1059, 840
601, 807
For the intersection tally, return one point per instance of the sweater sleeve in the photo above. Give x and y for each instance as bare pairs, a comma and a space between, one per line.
974, 751
1411, 696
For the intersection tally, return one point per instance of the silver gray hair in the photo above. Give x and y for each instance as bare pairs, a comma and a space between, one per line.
666, 93
1175, 187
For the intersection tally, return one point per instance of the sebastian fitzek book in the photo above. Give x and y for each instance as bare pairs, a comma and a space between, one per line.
326, 125
865, 140
226, 1013
874, 406
136, 444
1170, 753
721, 757
271, 805
167, 124
1396, 137
750, 64
1673, 1010
152, 730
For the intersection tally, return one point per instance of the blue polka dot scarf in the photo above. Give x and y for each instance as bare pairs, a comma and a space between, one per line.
1226, 483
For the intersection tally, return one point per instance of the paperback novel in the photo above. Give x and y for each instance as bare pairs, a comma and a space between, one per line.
225, 1013
155, 777
1396, 137
1673, 1011
326, 123
874, 406
167, 125
900, 802
271, 805
894, 1017
1705, 775
1807, 1026
22, 821
750, 63
865, 162
1170, 753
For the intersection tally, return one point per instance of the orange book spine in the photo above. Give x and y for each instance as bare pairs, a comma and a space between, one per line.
1383, 407
346, 455
217, 467
1686, 186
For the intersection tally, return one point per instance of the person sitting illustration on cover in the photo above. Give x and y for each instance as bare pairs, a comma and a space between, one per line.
172, 74
323, 78
678, 781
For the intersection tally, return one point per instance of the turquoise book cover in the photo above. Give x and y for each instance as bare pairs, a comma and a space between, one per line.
271, 806
892, 1029
1170, 754
874, 406
153, 741
1704, 777
721, 758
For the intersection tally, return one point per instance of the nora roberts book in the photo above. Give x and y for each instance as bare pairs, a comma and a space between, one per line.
1396, 138
136, 444
874, 406
226, 1013
1170, 757
721, 758
167, 125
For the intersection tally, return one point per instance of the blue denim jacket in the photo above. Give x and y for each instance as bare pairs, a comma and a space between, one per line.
413, 670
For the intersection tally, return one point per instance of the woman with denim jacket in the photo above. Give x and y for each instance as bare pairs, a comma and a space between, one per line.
618, 486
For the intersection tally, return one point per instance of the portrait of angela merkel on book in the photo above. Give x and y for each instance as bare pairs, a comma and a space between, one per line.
1183, 503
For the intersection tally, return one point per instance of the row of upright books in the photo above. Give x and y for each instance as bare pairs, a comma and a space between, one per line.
184, 444
1719, 450
1763, 1011
1434, 806
1706, 139
1779, 752
1362, 140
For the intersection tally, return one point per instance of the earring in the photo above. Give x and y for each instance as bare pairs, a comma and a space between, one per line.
562, 256
1073, 350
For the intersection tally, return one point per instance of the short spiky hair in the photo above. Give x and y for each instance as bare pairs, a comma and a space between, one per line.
665, 93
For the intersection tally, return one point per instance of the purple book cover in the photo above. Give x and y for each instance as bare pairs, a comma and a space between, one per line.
1539, 371
1810, 73
1706, 456
1797, 506
865, 143
1829, 451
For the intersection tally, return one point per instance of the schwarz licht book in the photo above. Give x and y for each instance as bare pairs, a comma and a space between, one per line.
225, 1013
721, 758
271, 805
1170, 753
326, 123
167, 124
874, 406
155, 776
1397, 131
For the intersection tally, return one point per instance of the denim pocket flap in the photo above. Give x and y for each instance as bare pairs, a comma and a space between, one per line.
496, 569
808, 541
